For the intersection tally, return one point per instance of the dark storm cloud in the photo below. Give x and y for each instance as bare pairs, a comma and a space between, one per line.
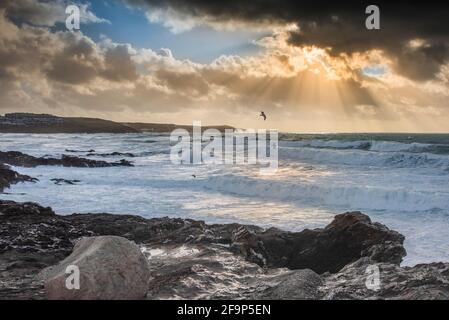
340, 26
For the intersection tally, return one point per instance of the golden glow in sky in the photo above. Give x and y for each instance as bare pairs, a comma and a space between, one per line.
303, 84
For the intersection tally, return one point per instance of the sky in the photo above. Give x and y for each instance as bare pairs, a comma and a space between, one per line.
311, 66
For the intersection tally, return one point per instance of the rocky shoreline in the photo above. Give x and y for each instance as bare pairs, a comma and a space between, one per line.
9, 176
190, 259
15, 158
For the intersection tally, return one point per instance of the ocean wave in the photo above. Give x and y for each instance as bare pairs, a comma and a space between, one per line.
328, 144
414, 147
357, 157
370, 145
347, 196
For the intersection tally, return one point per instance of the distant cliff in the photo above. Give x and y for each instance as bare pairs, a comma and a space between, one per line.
45, 123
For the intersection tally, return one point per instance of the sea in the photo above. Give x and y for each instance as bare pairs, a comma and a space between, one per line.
400, 180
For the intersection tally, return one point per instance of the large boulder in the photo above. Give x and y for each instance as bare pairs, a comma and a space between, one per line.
110, 268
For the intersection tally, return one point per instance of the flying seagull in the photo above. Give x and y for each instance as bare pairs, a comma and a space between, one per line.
262, 114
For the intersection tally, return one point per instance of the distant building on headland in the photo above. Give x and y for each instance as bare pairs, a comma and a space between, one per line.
25, 119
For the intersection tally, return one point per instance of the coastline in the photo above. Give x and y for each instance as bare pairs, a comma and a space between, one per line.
50, 124
190, 259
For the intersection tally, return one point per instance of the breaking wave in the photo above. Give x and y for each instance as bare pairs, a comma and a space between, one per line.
373, 145
344, 196
383, 156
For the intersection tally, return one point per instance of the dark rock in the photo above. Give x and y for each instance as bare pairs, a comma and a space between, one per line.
222, 261
70, 161
79, 151
31, 238
23, 210
60, 181
198, 271
388, 251
18, 275
421, 282
20, 159
349, 237
112, 154
9, 176
297, 285
15, 193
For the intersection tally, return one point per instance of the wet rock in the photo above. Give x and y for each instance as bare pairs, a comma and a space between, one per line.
69, 161
60, 181
198, 271
92, 152
9, 176
421, 282
246, 242
112, 154
10, 209
16, 158
15, 193
349, 237
110, 268
194, 260
31, 238
296, 285
18, 275
389, 251
79, 151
